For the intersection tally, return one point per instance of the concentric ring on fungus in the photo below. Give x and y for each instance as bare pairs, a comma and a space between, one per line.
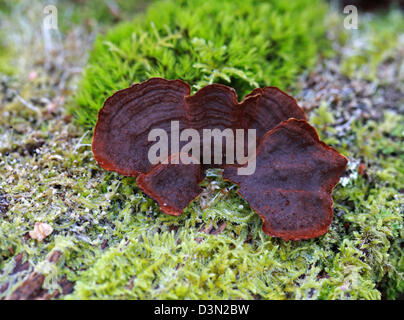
295, 171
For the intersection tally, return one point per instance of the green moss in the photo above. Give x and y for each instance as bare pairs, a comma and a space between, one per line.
96, 13
5, 51
381, 43
241, 43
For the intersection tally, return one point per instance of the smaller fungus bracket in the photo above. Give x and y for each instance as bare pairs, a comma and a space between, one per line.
266, 107
214, 107
173, 186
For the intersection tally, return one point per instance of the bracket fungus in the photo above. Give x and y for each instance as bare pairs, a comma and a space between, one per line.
295, 172
291, 188
158, 184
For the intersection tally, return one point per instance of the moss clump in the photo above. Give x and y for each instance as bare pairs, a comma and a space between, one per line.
241, 43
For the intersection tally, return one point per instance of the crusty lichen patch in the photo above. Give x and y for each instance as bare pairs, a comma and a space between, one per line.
114, 242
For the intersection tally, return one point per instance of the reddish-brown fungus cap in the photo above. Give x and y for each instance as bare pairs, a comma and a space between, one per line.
292, 185
173, 186
120, 141
267, 107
